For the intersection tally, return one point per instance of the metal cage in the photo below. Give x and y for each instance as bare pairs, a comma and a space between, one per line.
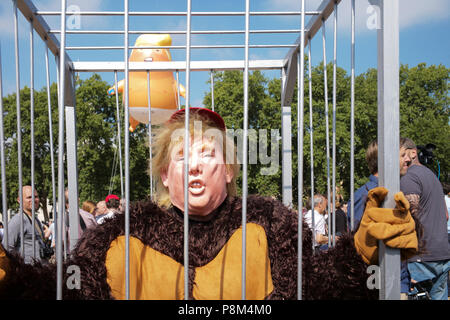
291, 68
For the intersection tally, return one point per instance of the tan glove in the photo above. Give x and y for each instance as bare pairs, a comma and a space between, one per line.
395, 227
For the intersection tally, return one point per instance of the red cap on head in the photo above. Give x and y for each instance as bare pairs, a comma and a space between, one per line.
111, 196
214, 116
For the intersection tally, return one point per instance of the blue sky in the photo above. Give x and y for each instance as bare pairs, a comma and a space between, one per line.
424, 27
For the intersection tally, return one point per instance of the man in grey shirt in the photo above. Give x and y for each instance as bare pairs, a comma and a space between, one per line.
14, 232
424, 193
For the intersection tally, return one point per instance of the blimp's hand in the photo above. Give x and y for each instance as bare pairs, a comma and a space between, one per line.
133, 124
112, 90
182, 90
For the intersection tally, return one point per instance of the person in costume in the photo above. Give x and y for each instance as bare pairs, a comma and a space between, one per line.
215, 236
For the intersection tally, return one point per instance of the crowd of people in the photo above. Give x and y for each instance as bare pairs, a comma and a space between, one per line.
429, 201
215, 220
323, 221
90, 214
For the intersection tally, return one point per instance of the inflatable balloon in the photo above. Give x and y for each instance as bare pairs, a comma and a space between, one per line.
163, 86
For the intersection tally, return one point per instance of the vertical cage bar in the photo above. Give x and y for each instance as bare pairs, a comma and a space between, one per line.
65, 233
186, 152
150, 134
19, 127
50, 133
311, 137
72, 172
333, 209
71, 157
61, 197
2, 158
388, 137
127, 156
118, 134
33, 209
327, 129
352, 120
300, 107
286, 147
313, 216
178, 90
212, 90
61, 234
245, 155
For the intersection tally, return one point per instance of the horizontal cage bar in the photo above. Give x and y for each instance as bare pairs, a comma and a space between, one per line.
178, 13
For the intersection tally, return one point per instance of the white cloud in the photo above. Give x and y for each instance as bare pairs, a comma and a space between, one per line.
291, 5
418, 12
7, 17
270, 53
84, 5
411, 12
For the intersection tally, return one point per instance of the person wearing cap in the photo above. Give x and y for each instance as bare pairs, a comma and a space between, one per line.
156, 235
426, 197
360, 200
112, 203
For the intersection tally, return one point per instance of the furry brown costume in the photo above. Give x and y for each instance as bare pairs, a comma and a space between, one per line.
339, 273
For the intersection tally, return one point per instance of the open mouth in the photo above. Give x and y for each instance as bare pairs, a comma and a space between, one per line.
196, 187
148, 59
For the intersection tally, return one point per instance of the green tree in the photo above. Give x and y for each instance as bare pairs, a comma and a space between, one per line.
424, 116
424, 111
228, 97
96, 144
95, 137
41, 147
